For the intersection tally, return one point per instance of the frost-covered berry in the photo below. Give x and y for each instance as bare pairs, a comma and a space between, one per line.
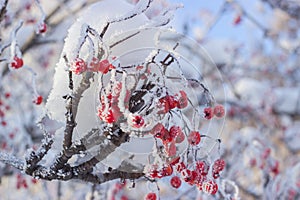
202, 168
208, 113
78, 66
166, 104
106, 116
219, 111
17, 62
180, 137
158, 130
215, 175
174, 161
104, 66
171, 149
38, 100
182, 100
175, 182
42, 28
138, 121
219, 165
180, 167
194, 138
151, 196
167, 170
188, 176
210, 187
174, 131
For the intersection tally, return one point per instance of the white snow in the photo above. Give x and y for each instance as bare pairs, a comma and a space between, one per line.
252, 91
287, 100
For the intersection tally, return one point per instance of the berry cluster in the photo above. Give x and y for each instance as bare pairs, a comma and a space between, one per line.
78, 66
109, 111
21, 182
265, 162
4, 107
168, 138
218, 111
117, 190
170, 102
193, 175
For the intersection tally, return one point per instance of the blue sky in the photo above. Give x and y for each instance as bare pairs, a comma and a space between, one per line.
246, 32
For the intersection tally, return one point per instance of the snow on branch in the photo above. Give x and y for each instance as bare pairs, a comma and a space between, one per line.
120, 88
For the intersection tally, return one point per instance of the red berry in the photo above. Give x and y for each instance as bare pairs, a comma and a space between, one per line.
208, 113
139, 67
218, 165
166, 104
7, 95
3, 123
34, 181
171, 101
17, 62
42, 28
151, 196
123, 197
215, 175
183, 100
180, 137
38, 100
166, 138
2, 114
171, 149
106, 116
180, 166
275, 168
120, 186
175, 182
167, 170
78, 66
266, 153
194, 138
94, 64
104, 66
154, 173
188, 176
210, 187
138, 121
175, 161
174, 131
3, 145
252, 162
237, 20
219, 111
158, 130
7, 107
199, 180
202, 168
11, 135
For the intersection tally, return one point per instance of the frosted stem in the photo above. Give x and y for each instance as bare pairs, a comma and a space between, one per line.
11, 160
